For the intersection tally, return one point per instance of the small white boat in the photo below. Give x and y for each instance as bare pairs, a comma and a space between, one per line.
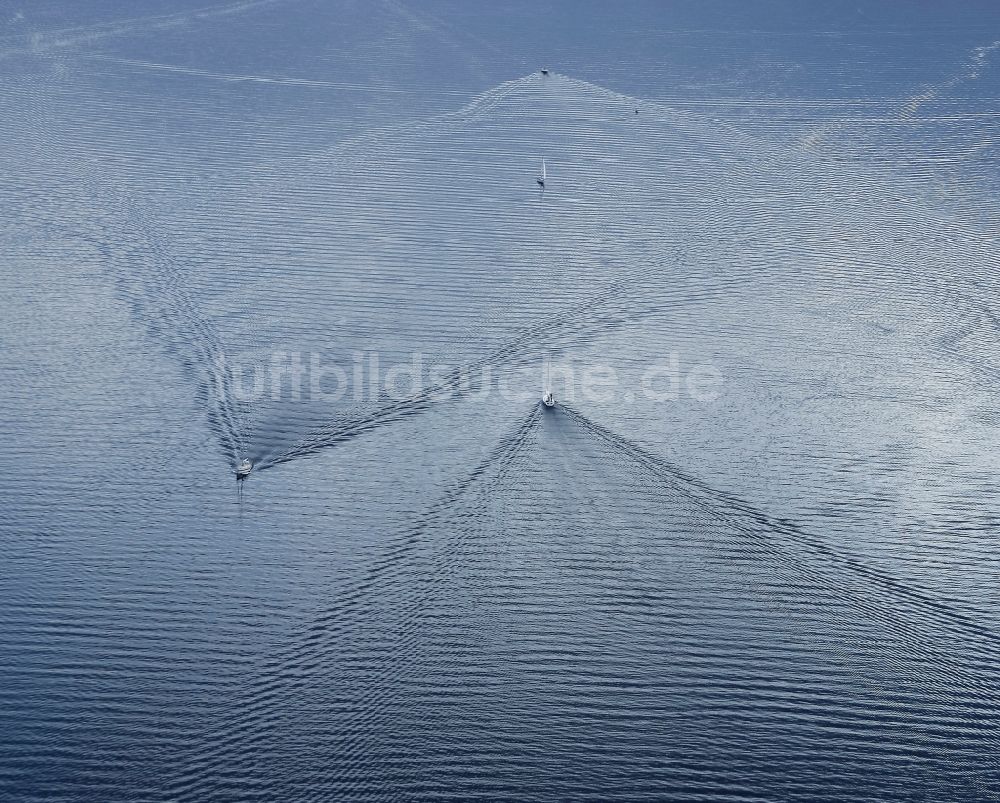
541, 179
548, 399
243, 469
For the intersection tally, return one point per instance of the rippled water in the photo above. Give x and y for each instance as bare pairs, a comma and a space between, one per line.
786, 589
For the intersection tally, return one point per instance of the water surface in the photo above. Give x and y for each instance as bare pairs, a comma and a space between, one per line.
785, 591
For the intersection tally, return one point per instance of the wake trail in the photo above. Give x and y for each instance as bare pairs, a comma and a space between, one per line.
293, 670
755, 155
253, 78
907, 108
45, 42
157, 292
370, 712
610, 309
151, 280
755, 523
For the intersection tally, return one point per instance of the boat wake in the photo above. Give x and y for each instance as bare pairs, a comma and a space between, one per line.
816, 559
413, 563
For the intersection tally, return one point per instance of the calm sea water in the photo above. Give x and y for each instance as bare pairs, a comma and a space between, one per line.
751, 555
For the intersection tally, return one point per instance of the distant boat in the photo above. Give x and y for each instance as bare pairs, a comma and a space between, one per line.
549, 400
541, 179
545, 72
243, 469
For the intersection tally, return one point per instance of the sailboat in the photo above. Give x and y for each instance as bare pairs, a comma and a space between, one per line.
541, 179
243, 469
549, 399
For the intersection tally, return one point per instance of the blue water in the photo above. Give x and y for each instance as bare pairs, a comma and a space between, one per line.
774, 579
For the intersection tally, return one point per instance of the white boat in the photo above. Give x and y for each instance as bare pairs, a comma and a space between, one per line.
549, 400
541, 179
243, 469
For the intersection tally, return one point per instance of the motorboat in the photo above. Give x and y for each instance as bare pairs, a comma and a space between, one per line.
549, 400
243, 469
